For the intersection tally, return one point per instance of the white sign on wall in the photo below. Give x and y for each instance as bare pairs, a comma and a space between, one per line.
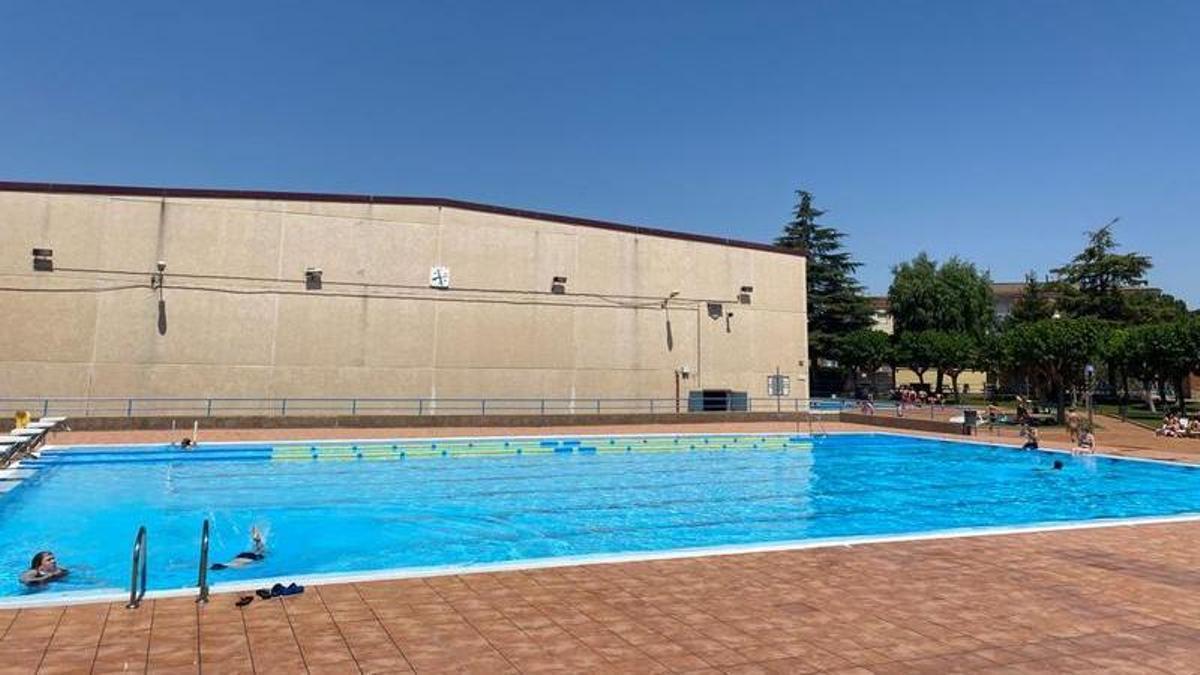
439, 277
779, 385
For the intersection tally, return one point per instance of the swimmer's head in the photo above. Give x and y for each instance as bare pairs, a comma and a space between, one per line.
43, 559
1058, 464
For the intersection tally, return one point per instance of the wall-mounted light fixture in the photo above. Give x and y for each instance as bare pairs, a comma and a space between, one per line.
669, 298
744, 296
156, 279
312, 278
558, 285
715, 310
43, 260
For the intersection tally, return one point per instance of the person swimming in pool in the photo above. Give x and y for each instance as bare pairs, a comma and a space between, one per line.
255, 554
42, 570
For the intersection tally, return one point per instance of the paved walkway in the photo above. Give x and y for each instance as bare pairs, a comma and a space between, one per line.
1111, 600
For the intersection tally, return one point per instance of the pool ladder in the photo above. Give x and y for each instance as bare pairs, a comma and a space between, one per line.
202, 575
137, 577
137, 574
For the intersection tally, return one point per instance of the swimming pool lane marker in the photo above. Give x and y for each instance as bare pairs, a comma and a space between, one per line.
494, 448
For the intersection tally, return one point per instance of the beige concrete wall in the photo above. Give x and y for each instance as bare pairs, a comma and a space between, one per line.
256, 338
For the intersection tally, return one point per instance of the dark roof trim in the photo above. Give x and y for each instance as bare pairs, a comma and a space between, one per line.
202, 193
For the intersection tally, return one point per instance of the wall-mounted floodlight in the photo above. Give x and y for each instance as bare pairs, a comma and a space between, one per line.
558, 285
156, 279
43, 260
669, 298
744, 295
715, 310
312, 279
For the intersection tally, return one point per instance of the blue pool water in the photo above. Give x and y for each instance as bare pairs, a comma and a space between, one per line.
471, 501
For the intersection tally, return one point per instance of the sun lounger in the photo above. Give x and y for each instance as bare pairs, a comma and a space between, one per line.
30, 433
55, 420
14, 440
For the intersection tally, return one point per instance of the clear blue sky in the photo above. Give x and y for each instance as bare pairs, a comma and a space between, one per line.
998, 131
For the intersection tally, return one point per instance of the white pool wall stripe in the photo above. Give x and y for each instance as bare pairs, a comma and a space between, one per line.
85, 597
447, 439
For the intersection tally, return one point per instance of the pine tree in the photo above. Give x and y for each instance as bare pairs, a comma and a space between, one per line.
1034, 304
836, 305
1098, 278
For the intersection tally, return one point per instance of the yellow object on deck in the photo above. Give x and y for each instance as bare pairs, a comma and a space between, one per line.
21, 419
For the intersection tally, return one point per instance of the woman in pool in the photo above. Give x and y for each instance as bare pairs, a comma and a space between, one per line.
42, 570
255, 554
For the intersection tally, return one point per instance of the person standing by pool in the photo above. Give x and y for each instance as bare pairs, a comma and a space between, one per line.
42, 570
258, 552
1074, 429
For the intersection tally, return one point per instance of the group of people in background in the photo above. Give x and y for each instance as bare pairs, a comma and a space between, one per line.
1174, 426
910, 397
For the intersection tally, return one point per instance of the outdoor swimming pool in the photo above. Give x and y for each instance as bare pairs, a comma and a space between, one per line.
376, 505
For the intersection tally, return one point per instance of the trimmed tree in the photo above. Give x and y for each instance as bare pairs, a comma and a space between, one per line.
914, 350
952, 354
1056, 350
864, 352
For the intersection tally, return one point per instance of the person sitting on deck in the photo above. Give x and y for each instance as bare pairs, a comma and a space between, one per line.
1030, 435
257, 553
42, 570
1170, 427
1087, 441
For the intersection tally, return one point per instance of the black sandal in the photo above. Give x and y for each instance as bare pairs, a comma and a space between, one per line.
244, 600
263, 593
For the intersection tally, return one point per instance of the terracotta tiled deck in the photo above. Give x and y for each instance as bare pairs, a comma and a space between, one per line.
1123, 599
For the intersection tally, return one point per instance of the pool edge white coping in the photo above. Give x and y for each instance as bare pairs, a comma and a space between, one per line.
396, 574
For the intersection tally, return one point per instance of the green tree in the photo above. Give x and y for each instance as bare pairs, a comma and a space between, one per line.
1033, 304
1151, 306
954, 297
914, 350
915, 298
1170, 351
865, 352
836, 304
953, 353
1096, 280
1055, 351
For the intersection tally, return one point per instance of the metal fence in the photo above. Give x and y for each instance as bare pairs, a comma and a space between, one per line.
218, 406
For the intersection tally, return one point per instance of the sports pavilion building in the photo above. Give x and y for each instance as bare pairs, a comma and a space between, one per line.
269, 295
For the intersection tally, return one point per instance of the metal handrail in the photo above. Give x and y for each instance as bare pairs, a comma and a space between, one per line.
202, 578
138, 591
368, 405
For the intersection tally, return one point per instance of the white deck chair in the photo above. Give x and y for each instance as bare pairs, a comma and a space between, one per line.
27, 432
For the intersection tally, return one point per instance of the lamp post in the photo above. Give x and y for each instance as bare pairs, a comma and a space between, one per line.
1089, 375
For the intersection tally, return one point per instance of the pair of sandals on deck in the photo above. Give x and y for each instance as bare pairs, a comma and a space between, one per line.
276, 591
